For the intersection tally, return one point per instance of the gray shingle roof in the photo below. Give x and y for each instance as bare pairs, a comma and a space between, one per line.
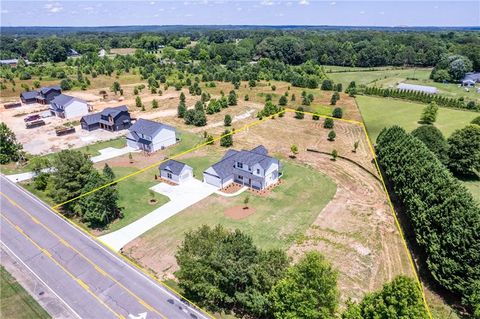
148, 128
62, 100
472, 76
113, 111
29, 95
91, 118
46, 89
224, 168
173, 166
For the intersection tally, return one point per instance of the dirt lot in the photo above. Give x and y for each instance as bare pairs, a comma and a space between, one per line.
356, 230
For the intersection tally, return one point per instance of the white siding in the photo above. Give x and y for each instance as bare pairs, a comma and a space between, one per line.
164, 138
271, 175
76, 109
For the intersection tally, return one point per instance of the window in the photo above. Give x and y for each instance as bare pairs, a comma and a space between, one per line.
258, 171
240, 177
169, 175
239, 165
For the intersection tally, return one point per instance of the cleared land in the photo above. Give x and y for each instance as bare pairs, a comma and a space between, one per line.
16, 303
350, 223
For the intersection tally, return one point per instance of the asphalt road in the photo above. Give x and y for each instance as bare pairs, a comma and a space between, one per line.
92, 281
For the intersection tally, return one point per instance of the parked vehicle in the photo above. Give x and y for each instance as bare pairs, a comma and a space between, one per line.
12, 105
32, 118
64, 130
35, 123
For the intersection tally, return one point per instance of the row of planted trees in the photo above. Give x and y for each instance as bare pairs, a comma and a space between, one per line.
442, 213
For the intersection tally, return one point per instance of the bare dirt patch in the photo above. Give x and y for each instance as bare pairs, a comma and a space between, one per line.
239, 212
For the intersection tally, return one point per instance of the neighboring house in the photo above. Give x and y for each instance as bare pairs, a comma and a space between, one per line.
175, 171
254, 169
43, 95
150, 136
66, 106
12, 62
102, 53
471, 78
73, 53
110, 119
417, 88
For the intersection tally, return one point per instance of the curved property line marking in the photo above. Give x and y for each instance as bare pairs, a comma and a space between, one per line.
49, 256
245, 127
88, 260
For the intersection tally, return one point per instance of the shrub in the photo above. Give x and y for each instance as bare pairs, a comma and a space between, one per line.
332, 135
337, 113
328, 123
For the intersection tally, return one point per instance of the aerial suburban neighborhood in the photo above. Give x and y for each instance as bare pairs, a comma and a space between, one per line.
240, 159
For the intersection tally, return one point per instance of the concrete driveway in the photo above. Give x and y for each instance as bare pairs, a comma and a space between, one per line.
181, 196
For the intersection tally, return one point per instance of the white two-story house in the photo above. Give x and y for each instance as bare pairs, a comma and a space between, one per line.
150, 136
254, 169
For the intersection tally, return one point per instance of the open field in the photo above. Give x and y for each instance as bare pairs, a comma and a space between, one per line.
380, 112
357, 235
16, 303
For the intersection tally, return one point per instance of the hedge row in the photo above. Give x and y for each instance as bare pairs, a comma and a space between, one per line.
443, 214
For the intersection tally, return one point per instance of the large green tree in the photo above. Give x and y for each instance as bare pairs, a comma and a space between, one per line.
464, 150
308, 290
223, 270
10, 149
433, 138
429, 114
398, 299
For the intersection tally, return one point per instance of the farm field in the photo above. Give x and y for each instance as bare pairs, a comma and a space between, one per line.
15, 302
380, 112
358, 236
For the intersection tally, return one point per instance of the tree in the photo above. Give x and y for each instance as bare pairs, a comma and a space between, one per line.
476, 121
294, 150
433, 138
400, 298
245, 201
39, 163
226, 140
464, 150
328, 123
332, 136
232, 98
222, 270
308, 290
138, 102
65, 84
299, 113
199, 118
293, 99
316, 116
333, 100
116, 87
337, 113
429, 114
181, 110
154, 104
135, 91
108, 173
355, 146
10, 149
246, 97
227, 121
283, 100
327, 85
71, 172
99, 208
182, 97
334, 155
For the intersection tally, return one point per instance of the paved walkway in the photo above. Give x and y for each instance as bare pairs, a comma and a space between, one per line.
181, 196
105, 154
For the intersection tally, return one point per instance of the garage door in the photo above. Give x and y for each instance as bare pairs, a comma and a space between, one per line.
212, 180
186, 175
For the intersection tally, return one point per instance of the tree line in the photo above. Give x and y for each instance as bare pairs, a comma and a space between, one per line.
443, 214
224, 271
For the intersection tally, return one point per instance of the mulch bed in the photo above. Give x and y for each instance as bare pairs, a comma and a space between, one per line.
232, 188
239, 212
266, 191
166, 181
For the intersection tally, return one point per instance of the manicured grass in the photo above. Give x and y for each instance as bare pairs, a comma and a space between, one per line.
134, 196
187, 141
15, 301
91, 150
200, 164
380, 112
450, 89
321, 109
279, 219
474, 188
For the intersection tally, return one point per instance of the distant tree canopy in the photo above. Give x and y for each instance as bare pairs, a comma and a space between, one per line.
451, 68
433, 138
443, 214
464, 150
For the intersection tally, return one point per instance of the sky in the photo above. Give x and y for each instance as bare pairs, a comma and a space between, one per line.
260, 12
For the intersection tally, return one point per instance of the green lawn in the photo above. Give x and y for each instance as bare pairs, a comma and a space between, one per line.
91, 150
474, 188
15, 301
134, 196
380, 112
378, 77
279, 219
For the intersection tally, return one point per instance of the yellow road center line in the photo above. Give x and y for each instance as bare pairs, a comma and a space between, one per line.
49, 255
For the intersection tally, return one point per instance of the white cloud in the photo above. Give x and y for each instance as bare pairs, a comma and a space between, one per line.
333, 3
382, 12
161, 9
152, 2
4, 11
304, 2
362, 12
239, 9
53, 7
289, 3
188, 15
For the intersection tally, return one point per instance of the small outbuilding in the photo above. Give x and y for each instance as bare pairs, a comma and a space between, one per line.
471, 78
175, 171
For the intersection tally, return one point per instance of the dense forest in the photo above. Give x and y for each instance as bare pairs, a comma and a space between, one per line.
364, 48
